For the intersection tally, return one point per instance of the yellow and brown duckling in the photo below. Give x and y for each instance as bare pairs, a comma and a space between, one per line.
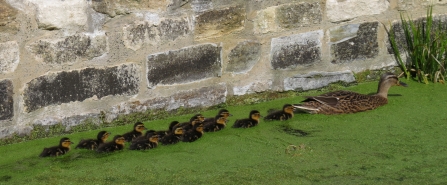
163, 133
61, 149
145, 143
111, 146
92, 144
173, 137
137, 131
224, 112
218, 123
198, 118
342, 102
251, 121
281, 115
193, 134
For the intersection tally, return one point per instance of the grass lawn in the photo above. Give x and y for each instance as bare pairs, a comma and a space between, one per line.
403, 142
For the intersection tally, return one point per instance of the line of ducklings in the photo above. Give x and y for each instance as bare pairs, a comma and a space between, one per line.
177, 132
338, 102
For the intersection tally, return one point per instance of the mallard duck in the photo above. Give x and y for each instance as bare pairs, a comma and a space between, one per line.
61, 149
198, 118
92, 144
173, 137
341, 102
281, 115
251, 121
223, 112
144, 143
137, 131
193, 134
216, 124
111, 146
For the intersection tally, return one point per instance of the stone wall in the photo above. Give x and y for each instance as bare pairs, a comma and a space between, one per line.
63, 61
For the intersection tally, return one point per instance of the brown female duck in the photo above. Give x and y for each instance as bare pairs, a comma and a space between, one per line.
341, 102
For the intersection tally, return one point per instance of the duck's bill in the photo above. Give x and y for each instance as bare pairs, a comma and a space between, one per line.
402, 84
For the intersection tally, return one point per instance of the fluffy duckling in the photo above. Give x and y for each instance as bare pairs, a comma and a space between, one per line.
61, 149
281, 115
136, 132
144, 143
163, 133
173, 137
223, 112
92, 144
198, 118
218, 123
117, 144
194, 134
251, 121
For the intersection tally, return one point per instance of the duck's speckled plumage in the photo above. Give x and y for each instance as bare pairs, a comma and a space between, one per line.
342, 102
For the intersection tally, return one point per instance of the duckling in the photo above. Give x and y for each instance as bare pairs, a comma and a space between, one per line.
218, 123
61, 149
194, 134
173, 137
223, 112
198, 118
163, 133
346, 102
115, 145
281, 115
136, 132
144, 143
92, 144
251, 121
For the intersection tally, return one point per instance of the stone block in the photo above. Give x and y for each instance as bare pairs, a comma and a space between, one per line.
218, 22
8, 17
70, 13
297, 15
201, 97
120, 7
354, 42
69, 49
6, 100
9, 56
316, 80
155, 31
201, 5
345, 10
300, 49
78, 85
255, 87
243, 57
265, 21
184, 65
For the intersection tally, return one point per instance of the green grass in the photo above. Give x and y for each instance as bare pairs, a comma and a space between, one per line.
400, 143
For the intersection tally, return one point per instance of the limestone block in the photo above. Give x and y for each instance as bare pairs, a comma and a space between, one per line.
9, 56
70, 13
300, 49
155, 30
201, 5
200, 97
185, 65
316, 80
287, 16
243, 57
8, 16
344, 10
78, 85
121, 7
298, 15
255, 87
218, 22
6, 100
265, 21
69, 49
354, 42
